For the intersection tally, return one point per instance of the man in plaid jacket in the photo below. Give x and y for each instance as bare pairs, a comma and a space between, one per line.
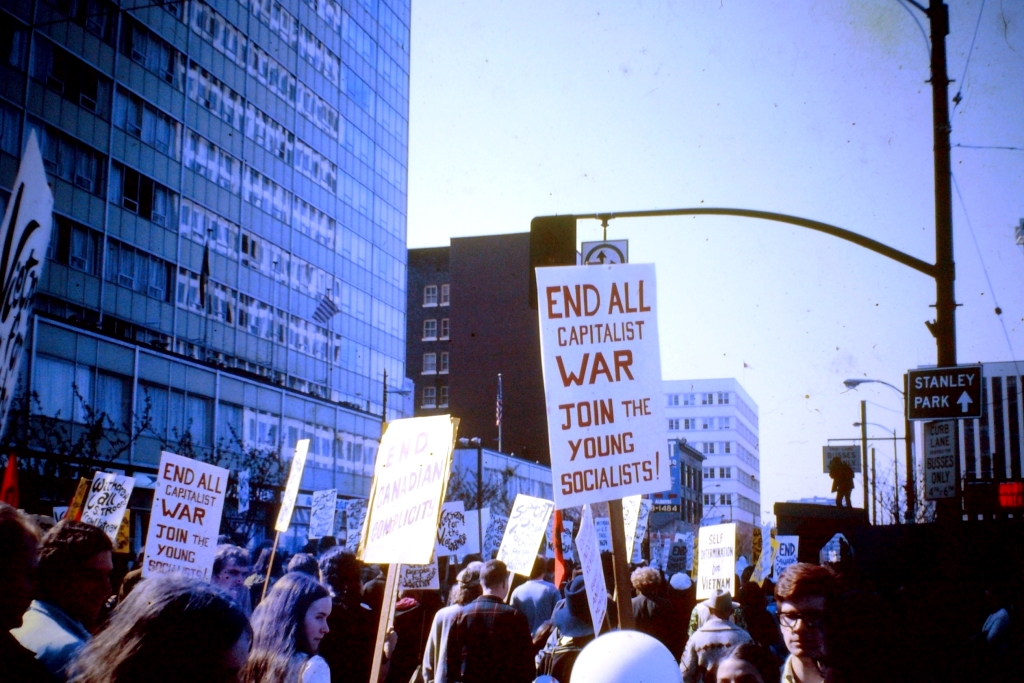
490, 641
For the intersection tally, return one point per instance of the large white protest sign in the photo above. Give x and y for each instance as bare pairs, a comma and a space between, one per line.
602, 382
409, 483
603, 526
451, 530
321, 513
940, 460
524, 532
636, 512
419, 577
589, 551
291, 489
26, 235
185, 522
788, 551
107, 501
716, 563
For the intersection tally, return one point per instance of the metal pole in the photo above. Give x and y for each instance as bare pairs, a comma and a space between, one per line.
480, 495
874, 490
896, 477
908, 431
384, 413
864, 450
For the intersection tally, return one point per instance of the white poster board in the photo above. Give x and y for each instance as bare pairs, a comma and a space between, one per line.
603, 527
243, 491
355, 518
602, 382
419, 577
25, 233
451, 530
524, 533
940, 460
786, 554
185, 522
589, 551
636, 512
409, 483
716, 565
107, 501
321, 513
291, 489
494, 532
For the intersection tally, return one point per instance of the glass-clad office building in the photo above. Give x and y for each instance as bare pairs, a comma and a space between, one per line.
229, 250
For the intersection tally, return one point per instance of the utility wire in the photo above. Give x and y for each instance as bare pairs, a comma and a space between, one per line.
959, 96
1009, 149
924, 34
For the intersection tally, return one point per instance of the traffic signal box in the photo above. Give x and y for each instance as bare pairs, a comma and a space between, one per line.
552, 243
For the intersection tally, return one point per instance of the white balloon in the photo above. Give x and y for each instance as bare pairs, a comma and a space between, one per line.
626, 657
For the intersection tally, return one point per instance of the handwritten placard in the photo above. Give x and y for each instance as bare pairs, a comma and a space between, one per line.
77, 503
243, 491
291, 489
451, 530
636, 512
524, 532
716, 568
419, 577
786, 555
321, 513
493, 533
589, 550
107, 502
603, 526
185, 522
355, 517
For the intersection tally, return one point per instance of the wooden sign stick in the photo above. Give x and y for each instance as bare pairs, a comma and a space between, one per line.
620, 561
270, 567
387, 608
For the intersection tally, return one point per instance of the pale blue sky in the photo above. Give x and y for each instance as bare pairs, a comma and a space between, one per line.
817, 109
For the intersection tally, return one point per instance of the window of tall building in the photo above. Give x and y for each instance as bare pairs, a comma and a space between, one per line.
74, 245
725, 473
689, 400
723, 397
137, 270
141, 195
68, 159
724, 423
709, 473
429, 363
673, 399
429, 397
430, 295
212, 162
151, 52
709, 447
139, 119
443, 365
673, 424
707, 399
727, 447
71, 78
689, 423
10, 128
443, 400
430, 329
445, 331
706, 422
446, 295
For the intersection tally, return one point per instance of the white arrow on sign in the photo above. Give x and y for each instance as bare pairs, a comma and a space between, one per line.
964, 401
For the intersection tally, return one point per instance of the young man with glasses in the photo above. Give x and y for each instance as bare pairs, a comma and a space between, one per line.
804, 595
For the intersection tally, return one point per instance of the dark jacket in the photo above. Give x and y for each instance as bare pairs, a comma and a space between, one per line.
19, 665
657, 618
490, 643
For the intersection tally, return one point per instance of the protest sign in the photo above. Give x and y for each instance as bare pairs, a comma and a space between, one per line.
26, 236
451, 530
185, 522
493, 534
107, 501
321, 513
524, 532
603, 526
409, 483
567, 552
602, 382
678, 557
766, 556
787, 553
589, 551
688, 540
419, 577
78, 500
355, 518
243, 491
122, 541
636, 512
940, 454
291, 488
716, 567
475, 521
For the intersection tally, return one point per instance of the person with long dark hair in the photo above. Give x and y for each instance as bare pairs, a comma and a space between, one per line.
169, 629
289, 625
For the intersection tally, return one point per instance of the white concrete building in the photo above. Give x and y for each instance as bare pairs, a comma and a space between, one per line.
718, 418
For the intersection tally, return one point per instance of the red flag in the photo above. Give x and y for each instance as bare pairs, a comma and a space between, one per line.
9, 492
556, 540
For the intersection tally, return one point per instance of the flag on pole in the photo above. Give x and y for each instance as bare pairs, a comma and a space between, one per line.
9, 491
325, 310
498, 408
204, 276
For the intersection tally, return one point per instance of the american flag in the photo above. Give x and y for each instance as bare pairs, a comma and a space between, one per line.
497, 408
325, 310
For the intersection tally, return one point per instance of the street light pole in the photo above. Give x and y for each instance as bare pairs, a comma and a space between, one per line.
864, 450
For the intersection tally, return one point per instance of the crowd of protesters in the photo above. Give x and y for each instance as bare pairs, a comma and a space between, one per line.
314, 617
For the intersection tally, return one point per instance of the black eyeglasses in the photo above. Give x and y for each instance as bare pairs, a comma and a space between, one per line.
811, 618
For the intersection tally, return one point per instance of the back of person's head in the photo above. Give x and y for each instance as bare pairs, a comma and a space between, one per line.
19, 548
279, 634
493, 574
468, 584
305, 563
803, 579
171, 629
227, 553
754, 656
340, 570
647, 581
263, 560
63, 576
540, 565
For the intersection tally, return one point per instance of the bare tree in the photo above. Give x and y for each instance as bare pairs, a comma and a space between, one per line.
494, 489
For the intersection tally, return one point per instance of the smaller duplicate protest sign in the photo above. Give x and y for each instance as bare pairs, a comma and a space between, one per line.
524, 532
419, 577
451, 530
321, 513
291, 489
185, 522
589, 551
940, 455
716, 566
409, 483
602, 382
786, 555
107, 502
